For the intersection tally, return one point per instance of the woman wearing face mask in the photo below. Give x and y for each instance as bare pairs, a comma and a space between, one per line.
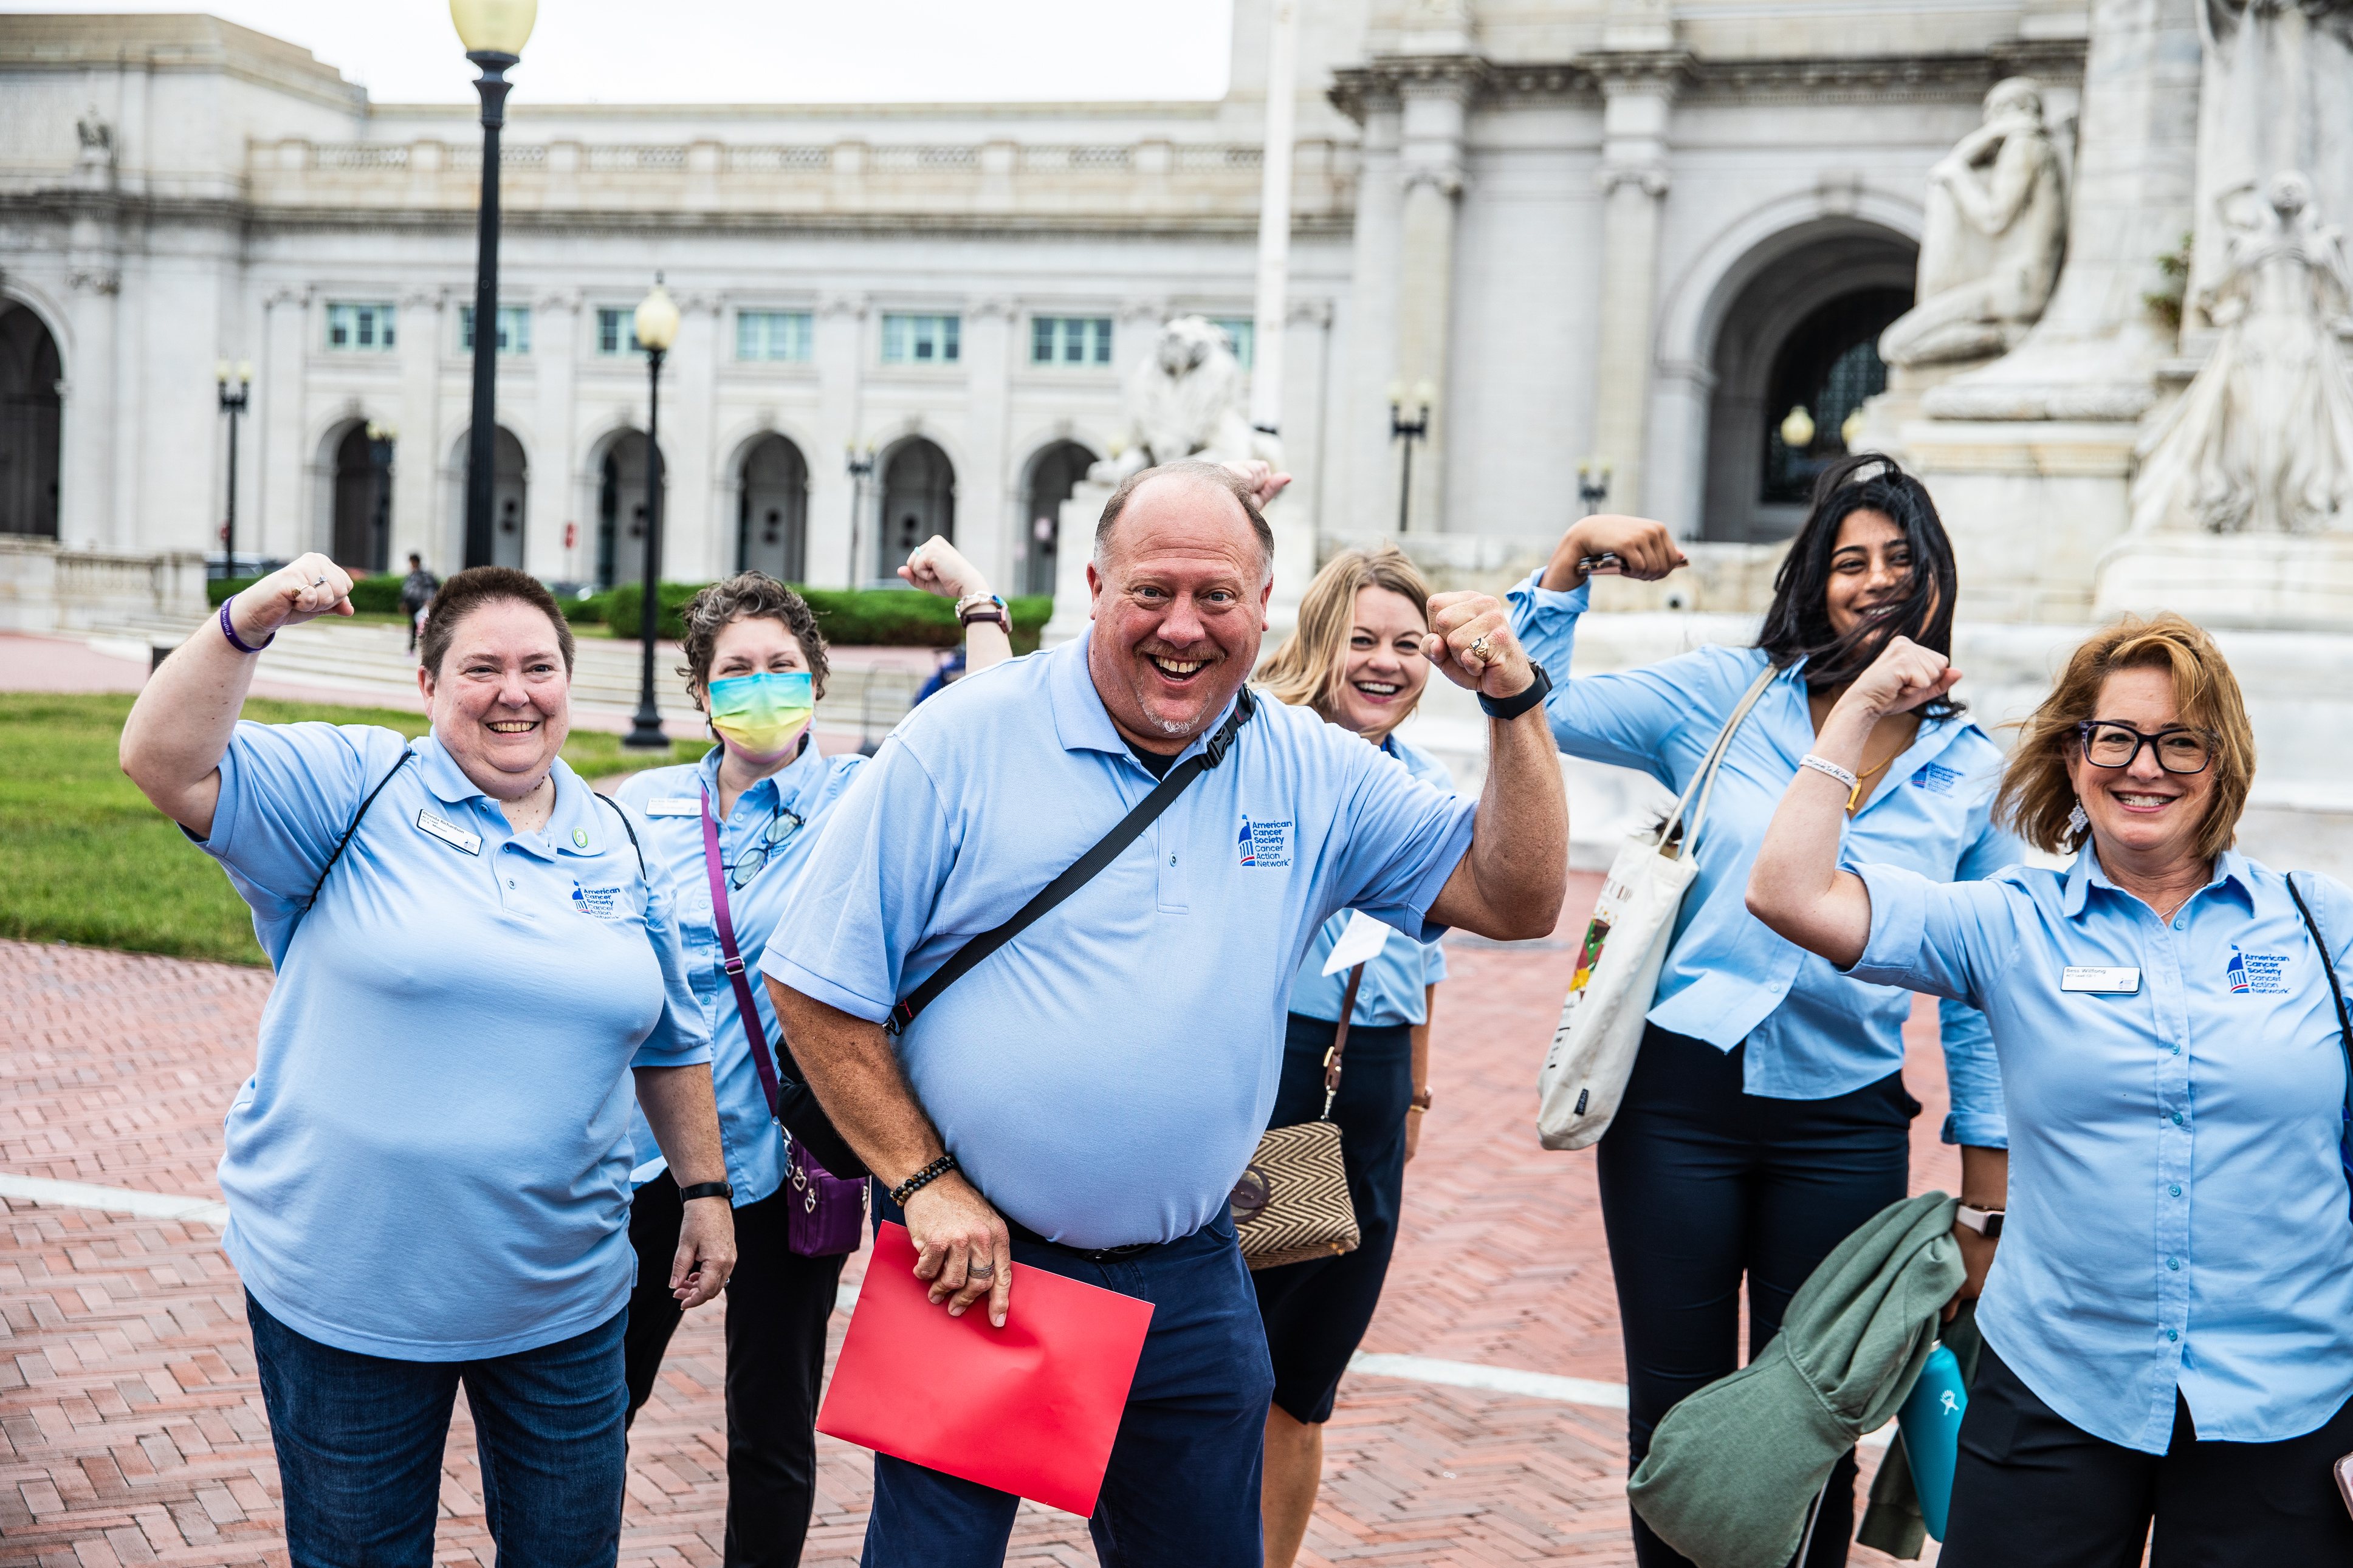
1357, 659
755, 663
1767, 1116
428, 1174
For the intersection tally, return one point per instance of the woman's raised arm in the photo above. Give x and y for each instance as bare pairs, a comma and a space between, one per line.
1796, 887
179, 729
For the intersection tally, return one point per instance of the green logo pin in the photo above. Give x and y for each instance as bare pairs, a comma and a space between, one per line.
580, 837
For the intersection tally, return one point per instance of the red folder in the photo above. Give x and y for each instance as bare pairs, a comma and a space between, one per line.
1030, 1409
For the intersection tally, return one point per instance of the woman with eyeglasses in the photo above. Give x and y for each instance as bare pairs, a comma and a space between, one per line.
2168, 1322
756, 665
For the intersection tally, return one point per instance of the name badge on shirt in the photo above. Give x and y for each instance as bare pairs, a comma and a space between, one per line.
674, 805
2101, 982
450, 832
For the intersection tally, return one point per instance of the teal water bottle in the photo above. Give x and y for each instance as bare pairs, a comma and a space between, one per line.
1931, 1424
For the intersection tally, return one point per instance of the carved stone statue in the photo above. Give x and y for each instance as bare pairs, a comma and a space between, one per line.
1185, 400
94, 164
2263, 440
1997, 228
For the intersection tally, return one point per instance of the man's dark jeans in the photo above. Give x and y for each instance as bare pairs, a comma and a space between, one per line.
360, 1437
1182, 1491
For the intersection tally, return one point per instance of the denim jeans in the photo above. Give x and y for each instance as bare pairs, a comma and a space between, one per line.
1182, 1488
359, 1441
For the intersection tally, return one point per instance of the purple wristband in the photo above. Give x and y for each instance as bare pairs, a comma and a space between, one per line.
228, 630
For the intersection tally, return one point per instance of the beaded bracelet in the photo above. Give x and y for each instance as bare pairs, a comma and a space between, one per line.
228, 630
921, 1179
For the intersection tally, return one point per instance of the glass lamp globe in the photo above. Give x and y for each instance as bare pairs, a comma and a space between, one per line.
657, 322
494, 27
1798, 429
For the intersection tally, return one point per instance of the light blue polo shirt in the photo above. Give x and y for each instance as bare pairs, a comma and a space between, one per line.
1105, 1076
1811, 1032
784, 812
2178, 1216
1395, 990
431, 1160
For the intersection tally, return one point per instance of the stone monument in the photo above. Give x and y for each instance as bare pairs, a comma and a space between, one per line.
1188, 398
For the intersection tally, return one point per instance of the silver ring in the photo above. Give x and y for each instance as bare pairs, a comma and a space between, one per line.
980, 1270
316, 581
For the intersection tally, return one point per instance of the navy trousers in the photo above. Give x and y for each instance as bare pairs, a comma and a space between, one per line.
359, 1441
1704, 1185
1182, 1489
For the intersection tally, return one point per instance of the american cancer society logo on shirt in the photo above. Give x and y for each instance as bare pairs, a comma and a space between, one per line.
1265, 844
604, 903
2263, 973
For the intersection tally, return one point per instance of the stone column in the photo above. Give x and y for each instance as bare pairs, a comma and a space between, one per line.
839, 353
1434, 107
554, 343
1360, 488
1638, 92
984, 496
418, 506
86, 441
278, 459
1299, 511
696, 546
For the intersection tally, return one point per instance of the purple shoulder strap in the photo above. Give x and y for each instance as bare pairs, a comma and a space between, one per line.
732, 960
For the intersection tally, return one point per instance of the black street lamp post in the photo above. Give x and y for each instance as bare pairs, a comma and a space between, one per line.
232, 404
860, 468
495, 32
657, 327
1408, 431
381, 437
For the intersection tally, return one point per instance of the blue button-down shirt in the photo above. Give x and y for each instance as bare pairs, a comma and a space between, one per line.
805, 791
1394, 989
431, 1161
1105, 1076
2178, 1217
1812, 1033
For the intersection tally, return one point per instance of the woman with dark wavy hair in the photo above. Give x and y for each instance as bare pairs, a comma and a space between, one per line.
1767, 1116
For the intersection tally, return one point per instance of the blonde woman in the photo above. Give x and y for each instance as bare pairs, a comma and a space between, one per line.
2168, 1323
1355, 658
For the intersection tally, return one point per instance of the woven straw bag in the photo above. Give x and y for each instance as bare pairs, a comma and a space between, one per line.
1292, 1200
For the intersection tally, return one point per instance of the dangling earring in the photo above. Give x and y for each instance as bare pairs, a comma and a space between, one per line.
2076, 821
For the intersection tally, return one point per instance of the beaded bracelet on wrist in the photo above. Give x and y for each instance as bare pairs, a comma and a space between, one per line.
921, 1179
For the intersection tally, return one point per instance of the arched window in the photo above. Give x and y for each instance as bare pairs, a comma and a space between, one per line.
772, 511
1829, 366
918, 500
621, 510
1053, 474
29, 405
362, 538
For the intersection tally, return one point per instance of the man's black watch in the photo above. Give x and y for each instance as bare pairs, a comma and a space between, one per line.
707, 1190
1514, 706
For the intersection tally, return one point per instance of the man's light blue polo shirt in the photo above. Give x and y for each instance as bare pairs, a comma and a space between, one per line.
2178, 1216
431, 1160
765, 813
1811, 1032
1394, 989
1105, 1076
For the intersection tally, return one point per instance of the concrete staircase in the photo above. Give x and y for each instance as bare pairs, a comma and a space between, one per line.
868, 691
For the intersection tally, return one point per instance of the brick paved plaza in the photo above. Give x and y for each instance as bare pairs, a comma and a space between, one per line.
133, 1430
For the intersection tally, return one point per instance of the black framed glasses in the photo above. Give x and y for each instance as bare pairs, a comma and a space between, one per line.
2178, 750
748, 865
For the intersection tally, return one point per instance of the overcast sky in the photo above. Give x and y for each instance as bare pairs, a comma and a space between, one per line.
747, 51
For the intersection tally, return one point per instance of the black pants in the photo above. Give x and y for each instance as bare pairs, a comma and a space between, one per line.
1703, 1184
2033, 1489
777, 1307
1316, 1311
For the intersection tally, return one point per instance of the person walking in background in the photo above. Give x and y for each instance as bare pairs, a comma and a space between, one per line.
416, 591
428, 1174
1085, 1099
2169, 1322
1356, 660
1767, 1116
755, 664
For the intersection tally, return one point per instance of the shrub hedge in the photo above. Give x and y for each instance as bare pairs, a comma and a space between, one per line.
378, 595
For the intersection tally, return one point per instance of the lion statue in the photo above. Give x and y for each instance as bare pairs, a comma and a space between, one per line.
1185, 400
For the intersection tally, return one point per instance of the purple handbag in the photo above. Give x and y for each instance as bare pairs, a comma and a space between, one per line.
828, 1214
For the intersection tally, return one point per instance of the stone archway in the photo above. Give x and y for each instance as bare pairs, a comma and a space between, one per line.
918, 500
621, 471
29, 415
1054, 471
360, 526
772, 511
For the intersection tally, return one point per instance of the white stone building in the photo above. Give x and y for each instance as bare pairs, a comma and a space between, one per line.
1625, 229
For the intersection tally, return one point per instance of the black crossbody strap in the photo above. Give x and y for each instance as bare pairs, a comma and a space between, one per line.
2344, 1026
632, 832
970, 956
345, 842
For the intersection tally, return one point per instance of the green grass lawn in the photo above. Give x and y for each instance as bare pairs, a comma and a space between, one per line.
84, 857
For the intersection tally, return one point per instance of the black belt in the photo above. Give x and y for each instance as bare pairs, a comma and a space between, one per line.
1092, 1254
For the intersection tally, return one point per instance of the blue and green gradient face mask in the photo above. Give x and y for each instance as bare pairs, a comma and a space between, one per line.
761, 717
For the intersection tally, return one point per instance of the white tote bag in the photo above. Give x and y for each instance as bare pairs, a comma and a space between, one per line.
1618, 963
